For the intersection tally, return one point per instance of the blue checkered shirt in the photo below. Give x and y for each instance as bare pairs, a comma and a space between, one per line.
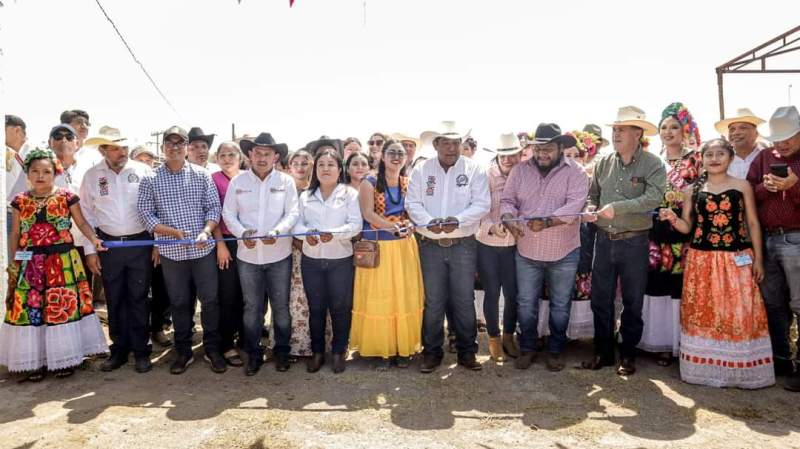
184, 200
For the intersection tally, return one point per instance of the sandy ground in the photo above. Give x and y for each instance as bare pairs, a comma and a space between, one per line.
497, 407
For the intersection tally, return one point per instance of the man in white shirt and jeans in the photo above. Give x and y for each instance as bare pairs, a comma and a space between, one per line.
447, 197
108, 193
263, 202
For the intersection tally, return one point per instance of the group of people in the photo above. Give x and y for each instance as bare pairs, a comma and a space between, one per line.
691, 251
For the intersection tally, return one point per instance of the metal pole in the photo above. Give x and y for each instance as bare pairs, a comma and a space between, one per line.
233, 131
721, 93
790, 95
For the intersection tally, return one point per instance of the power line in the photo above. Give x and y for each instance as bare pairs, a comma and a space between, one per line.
130, 50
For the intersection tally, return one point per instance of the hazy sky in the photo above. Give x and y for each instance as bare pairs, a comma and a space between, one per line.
315, 68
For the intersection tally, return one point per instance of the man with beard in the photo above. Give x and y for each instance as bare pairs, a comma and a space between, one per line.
549, 249
627, 185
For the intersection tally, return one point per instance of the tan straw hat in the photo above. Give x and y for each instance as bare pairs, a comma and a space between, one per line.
743, 115
633, 116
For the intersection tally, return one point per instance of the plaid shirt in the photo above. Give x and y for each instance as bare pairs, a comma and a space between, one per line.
183, 200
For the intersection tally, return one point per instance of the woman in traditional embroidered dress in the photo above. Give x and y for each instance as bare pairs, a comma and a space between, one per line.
50, 323
660, 310
724, 339
387, 300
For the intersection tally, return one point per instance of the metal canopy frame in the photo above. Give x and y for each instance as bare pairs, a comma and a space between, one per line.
786, 43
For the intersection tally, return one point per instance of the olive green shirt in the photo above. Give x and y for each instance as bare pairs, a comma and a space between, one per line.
633, 190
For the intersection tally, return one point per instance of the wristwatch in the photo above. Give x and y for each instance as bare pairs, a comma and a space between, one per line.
548, 222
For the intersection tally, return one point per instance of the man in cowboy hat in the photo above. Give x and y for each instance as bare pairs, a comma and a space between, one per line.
263, 202
774, 175
627, 185
548, 246
447, 197
199, 145
144, 155
180, 202
742, 133
410, 144
109, 193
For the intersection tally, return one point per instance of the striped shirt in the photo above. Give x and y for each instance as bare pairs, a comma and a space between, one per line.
183, 200
562, 191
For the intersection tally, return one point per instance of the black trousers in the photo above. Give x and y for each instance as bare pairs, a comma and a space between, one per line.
126, 280
231, 304
159, 301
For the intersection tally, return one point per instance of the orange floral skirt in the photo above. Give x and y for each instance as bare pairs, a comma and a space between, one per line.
724, 336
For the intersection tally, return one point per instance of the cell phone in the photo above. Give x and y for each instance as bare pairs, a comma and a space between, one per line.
779, 170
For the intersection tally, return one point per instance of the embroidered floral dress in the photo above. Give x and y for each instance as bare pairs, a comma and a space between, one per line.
724, 334
660, 309
49, 318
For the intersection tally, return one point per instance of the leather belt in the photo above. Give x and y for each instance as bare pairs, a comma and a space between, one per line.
624, 235
445, 242
781, 231
121, 238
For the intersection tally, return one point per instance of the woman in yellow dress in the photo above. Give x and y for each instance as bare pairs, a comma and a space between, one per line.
388, 299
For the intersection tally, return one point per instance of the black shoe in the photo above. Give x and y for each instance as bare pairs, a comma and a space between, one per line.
253, 365
525, 360
339, 363
469, 362
315, 362
217, 361
554, 363
143, 364
429, 363
402, 362
114, 362
627, 366
282, 362
597, 362
181, 362
793, 383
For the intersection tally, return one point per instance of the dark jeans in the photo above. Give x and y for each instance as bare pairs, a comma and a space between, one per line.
497, 270
781, 290
231, 304
159, 301
448, 275
559, 277
179, 276
329, 289
271, 280
126, 279
627, 260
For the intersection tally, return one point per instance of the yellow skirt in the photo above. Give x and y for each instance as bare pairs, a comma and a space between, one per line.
387, 303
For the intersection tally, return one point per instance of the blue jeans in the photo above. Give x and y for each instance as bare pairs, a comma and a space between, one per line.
448, 275
259, 281
329, 288
627, 260
497, 270
781, 290
559, 277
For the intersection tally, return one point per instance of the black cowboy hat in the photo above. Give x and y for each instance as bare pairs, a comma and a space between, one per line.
197, 134
550, 132
325, 141
264, 140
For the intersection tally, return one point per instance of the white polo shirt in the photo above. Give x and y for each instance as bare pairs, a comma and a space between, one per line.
461, 192
266, 206
339, 213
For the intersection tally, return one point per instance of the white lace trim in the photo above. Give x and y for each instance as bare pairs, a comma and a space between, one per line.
27, 348
757, 353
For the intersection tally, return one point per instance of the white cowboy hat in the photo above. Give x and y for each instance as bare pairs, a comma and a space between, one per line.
784, 124
425, 149
400, 137
507, 145
743, 115
633, 116
108, 136
448, 131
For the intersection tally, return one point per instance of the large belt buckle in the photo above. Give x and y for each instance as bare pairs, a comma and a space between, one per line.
445, 242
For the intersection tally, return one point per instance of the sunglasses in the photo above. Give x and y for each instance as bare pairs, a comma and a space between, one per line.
375, 142
394, 154
58, 137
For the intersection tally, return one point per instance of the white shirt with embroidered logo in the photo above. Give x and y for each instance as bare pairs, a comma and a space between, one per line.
266, 206
108, 199
339, 214
461, 192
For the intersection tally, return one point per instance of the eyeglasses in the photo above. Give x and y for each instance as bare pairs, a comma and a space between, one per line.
174, 144
375, 142
58, 137
394, 154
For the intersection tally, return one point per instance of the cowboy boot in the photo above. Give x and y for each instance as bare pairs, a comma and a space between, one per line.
510, 346
496, 349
